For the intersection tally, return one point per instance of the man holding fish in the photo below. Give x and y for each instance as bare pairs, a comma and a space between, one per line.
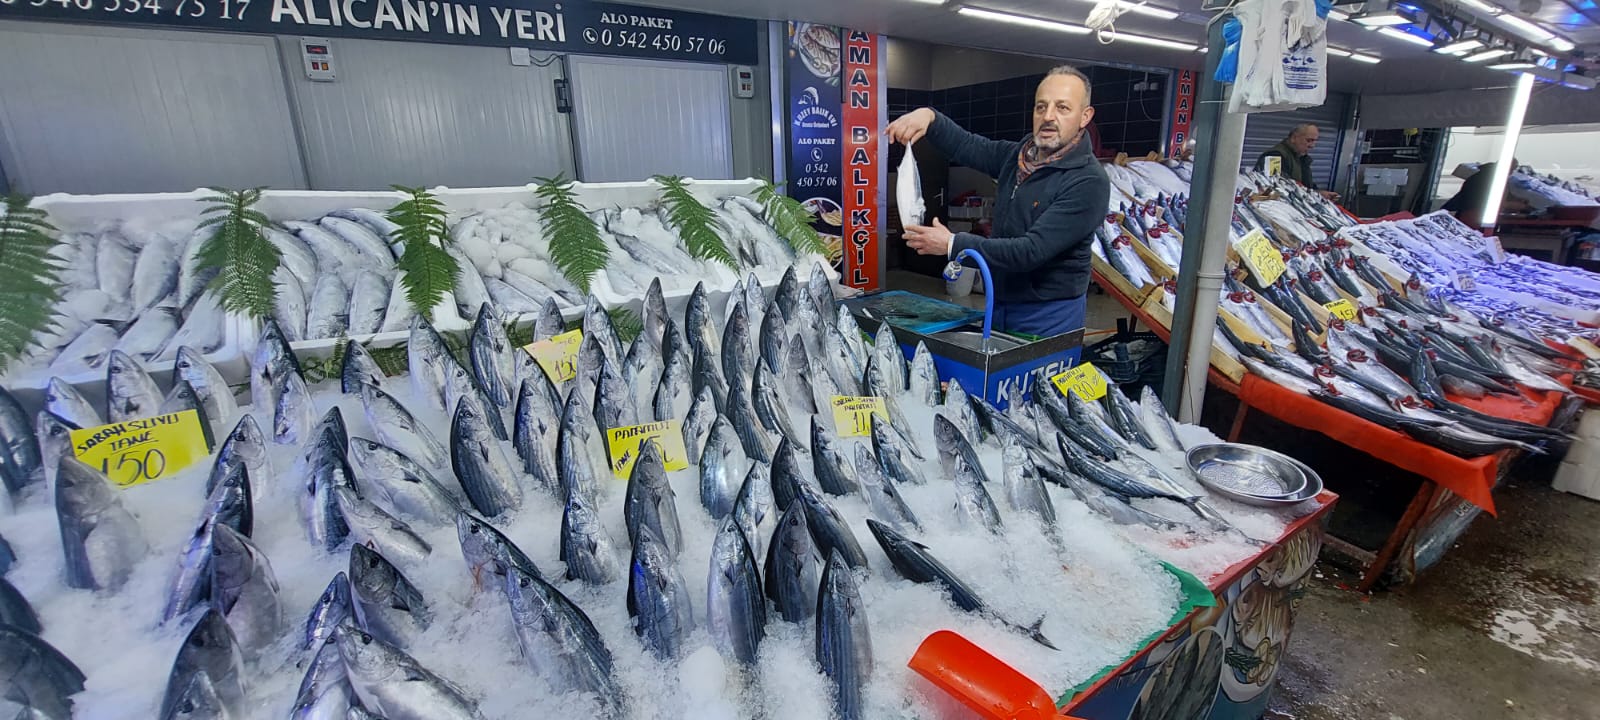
1050, 196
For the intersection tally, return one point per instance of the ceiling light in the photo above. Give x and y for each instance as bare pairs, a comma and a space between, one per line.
1538, 53
1147, 40
1338, 15
1526, 28
1508, 146
1336, 52
1025, 20
1486, 55
1403, 35
1382, 19
1579, 81
1368, 59
1561, 44
1482, 7
1512, 66
1459, 47
1141, 9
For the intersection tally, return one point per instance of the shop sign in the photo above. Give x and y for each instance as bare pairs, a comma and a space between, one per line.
135, 452
1182, 112
862, 121
569, 26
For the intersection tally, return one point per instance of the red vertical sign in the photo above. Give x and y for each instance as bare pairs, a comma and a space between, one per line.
1182, 112
863, 166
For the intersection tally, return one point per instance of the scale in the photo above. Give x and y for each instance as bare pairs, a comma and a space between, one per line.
963, 344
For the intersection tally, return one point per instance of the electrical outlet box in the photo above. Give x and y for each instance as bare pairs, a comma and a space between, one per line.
744, 81
316, 55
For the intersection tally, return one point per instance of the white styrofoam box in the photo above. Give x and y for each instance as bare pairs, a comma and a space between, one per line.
1589, 426
1578, 479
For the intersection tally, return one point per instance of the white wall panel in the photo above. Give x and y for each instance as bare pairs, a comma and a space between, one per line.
106, 110
422, 114
637, 118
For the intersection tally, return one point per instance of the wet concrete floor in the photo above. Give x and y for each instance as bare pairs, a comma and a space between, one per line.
1507, 625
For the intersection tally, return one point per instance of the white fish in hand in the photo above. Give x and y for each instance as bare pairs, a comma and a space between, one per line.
908, 190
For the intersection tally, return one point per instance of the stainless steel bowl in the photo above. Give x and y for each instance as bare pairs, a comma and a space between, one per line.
1252, 475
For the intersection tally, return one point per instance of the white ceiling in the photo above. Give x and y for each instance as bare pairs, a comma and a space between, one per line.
1405, 68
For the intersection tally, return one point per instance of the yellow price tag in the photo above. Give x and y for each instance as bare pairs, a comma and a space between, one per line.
626, 442
1274, 165
1264, 260
558, 355
1085, 380
139, 451
1341, 309
852, 415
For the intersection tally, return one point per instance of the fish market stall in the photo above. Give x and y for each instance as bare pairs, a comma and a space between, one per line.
673, 519
1501, 354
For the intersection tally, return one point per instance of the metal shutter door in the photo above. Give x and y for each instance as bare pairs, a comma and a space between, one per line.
111, 110
1263, 130
637, 118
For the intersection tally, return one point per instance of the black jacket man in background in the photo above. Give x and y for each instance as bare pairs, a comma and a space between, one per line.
1051, 195
1295, 154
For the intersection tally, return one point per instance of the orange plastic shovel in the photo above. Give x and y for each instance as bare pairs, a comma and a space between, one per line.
982, 682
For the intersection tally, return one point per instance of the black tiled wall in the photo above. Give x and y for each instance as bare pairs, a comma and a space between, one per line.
1127, 120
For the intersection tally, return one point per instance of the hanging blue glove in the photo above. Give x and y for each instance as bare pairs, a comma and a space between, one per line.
1228, 65
1323, 6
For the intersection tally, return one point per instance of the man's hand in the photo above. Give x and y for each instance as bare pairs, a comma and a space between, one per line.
929, 240
910, 127
1329, 195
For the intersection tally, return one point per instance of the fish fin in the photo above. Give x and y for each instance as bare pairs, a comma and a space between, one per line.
1036, 631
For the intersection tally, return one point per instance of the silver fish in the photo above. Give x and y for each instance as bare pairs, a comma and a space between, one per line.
191, 586
655, 317
245, 446
244, 588
924, 377
325, 692
650, 503
723, 464
374, 250
102, 541
22, 456
892, 455
793, 567
675, 396
742, 413
68, 404
461, 388
839, 364
394, 686
488, 551
830, 531
183, 398
886, 355
39, 678
398, 429
199, 701
398, 312
1154, 415
470, 292
401, 484
843, 641
271, 359
560, 643
736, 612
333, 606
962, 467
821, 289
130, 393
752, 508
371, 526
55, 442
87, 351
597, 322
881, 492
797, 378
369, 297
202, 328
1024, 485
358, 368
210, 651
828, 464
580, 450
770, 406
586, 547
697, 424
492, 363
429, 360
386, 604
958, 408
535, 432
114, 261
697, 322
215, 395
643, 361
738, 347
295, 415
658, 600
613, 399
549, 322
328, 314
481, 465
333, 256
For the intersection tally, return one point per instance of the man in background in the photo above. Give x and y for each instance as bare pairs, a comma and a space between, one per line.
1050, 197
1467, 203
1294, 152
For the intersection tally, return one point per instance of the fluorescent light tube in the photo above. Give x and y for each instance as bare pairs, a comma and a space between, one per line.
1338, 15
1482, 7
1403, 35
1147, 40
1508, 148
1561, 44
1486, 55
1459, 47
1368, 59
1336, 52
1527, 29
1025, 20
1136, 8
1383, 18
1512, 66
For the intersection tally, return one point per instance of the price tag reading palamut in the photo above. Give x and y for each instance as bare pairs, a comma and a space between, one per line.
135, 452
852, 415
1342, 309
626, 443
1258, 254
558, 355
1086, 381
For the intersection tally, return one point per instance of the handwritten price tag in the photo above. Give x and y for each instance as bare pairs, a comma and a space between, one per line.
1497, 250
1274, 165
1465, 282
1264, 260
140, 451
558, 355
1085, 380
626, 442
852, 415
1341, 309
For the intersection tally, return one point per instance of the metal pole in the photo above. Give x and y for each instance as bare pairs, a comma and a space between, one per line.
1219, 142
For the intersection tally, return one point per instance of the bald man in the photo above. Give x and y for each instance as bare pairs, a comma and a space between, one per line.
1050, 197
1295, 152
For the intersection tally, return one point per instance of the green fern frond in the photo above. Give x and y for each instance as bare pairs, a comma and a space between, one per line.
429, 271
575, 244
242, 256
29, 288
790, 218
695, 223
626, 323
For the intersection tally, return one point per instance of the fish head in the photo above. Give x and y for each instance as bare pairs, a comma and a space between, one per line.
210, 645
81, 488
246, 440
367, 659
945, 433
372, 456
371, 575
120, 366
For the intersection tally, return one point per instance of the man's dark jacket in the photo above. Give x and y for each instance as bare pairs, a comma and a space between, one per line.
1296, 167
1043, 226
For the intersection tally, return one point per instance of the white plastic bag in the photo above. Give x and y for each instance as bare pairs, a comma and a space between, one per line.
908, 191
1283, 54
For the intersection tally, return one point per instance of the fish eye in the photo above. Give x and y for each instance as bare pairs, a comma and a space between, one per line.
473, 528
366, 639
524, 582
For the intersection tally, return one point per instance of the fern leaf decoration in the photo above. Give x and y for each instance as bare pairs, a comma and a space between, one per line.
29, 288
575, 244
790, 219
695, 223
240, 252
626, 323
428, 269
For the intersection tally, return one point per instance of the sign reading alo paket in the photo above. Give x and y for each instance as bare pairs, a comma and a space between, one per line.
574, 26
